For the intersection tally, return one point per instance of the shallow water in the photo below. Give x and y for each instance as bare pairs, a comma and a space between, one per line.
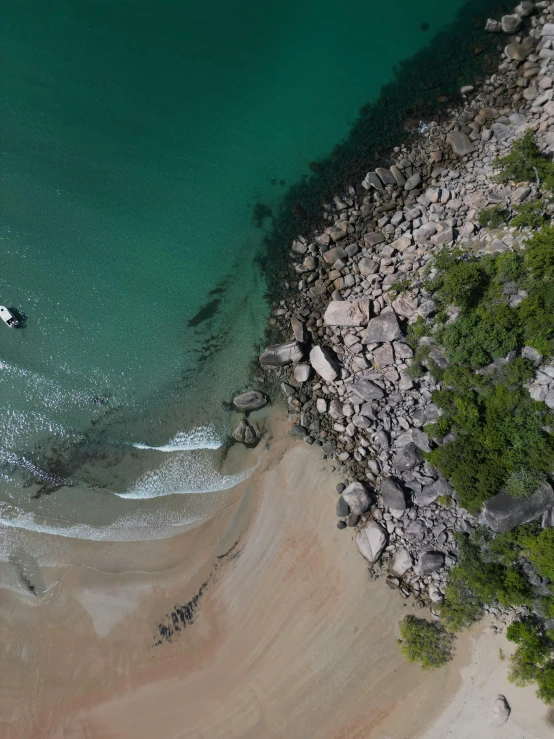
137, 139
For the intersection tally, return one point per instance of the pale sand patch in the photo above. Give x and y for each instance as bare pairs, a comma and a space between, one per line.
483, 678
291, 638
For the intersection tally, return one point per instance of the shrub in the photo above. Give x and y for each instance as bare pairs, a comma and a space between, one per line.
539, 549
536, 315
524, 163
532, 661
416, 331
463, 284
486, 573
399, 287
530, 215
508, 267
539, 254
425, 642
461, 606
476, 340
494, 217
499, 431
522, 483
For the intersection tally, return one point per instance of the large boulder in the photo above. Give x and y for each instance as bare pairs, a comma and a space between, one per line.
357, 497
371, 539
401, 562
364, 391
384, 327
407, 458
430, 562
278, 355
502, 512
427, 495
420, 439
393, 494
347, 313
250, 400
500, 711
460, 143
245, 433
325, 363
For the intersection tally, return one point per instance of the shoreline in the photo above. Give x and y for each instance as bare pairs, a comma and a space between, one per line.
344, 366
263, 621
287, 617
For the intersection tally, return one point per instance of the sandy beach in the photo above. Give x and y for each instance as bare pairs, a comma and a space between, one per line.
289, 637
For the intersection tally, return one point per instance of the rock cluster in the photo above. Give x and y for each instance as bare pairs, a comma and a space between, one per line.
359, 282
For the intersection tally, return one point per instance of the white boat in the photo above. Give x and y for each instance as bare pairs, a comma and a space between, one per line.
8, 317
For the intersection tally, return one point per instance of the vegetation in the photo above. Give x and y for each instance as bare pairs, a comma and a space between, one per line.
525, 163
399, 287
486, 573
425, 642
500, 437
530, 215
494, 436
522, 483
533, 660
499, 433
494, 217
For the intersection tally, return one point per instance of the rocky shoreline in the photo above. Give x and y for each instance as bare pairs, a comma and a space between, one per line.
357, 286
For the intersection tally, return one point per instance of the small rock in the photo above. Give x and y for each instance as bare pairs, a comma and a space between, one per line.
342, 509
493, 26
357, 498
302, 372
510, 23
500, 711
413, 181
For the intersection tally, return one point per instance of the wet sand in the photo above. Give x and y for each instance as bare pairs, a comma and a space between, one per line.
286, 636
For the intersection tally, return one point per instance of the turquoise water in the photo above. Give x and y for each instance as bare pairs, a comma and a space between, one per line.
137, 137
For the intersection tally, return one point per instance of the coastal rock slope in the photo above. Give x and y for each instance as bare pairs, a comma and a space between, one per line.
358, 284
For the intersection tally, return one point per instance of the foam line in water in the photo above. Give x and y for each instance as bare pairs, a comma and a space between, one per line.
203, 437
130, 528
177, 478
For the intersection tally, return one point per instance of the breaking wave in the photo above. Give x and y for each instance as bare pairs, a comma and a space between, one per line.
184, 475
203, 437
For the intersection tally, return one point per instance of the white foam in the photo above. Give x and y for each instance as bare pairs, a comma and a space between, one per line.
203, 437
184, 475
130, 528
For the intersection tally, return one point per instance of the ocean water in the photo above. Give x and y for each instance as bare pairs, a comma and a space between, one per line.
143, 147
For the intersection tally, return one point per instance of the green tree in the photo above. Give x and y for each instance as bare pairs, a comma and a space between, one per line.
425, 642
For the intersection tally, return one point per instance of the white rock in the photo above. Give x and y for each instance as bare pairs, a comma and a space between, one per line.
302, 372
401, 562
347, 313
371, 539
357, 498
324, 363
